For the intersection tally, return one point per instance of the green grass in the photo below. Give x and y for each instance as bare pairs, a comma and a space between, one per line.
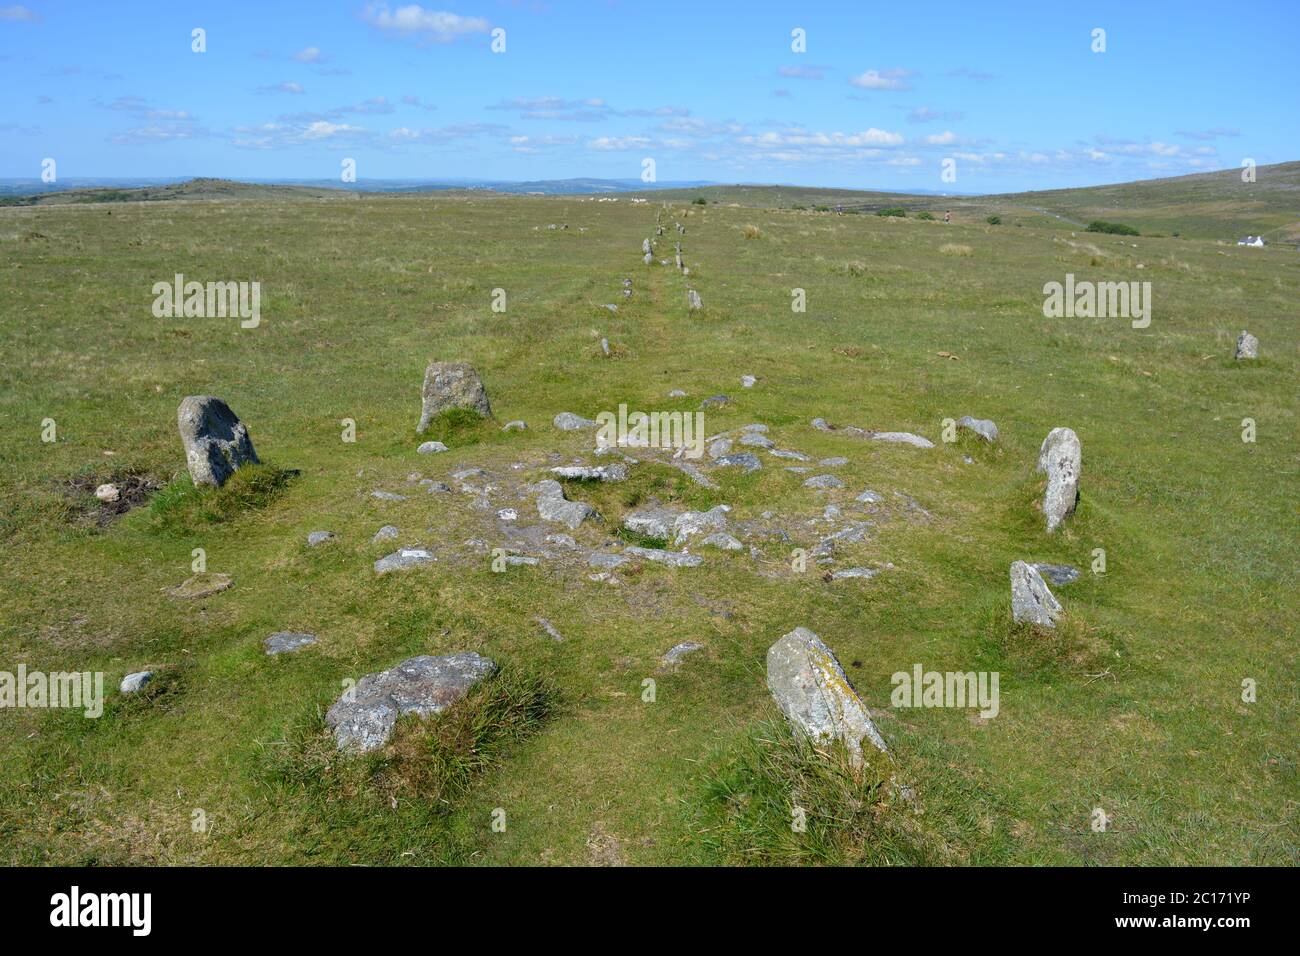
1134, 704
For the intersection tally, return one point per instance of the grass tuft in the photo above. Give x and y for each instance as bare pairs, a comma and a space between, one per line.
183, 508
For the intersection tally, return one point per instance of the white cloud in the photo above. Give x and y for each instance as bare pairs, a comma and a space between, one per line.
19, 14
287, 87
607, 143
894, 80
802, 72
413, 20
309, 54
946, 138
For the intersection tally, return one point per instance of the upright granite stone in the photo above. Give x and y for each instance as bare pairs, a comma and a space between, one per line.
363, 718
216, 441
1247, 346
815, 695
1032, 601
1061, 457
451, 385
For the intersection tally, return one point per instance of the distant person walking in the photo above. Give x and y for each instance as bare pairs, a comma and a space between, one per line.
947, 216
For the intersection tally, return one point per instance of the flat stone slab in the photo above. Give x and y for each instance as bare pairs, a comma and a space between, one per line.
387, 496
363, 718
902, 438
431, 448
849, 573
319, 537
786, 453
756, 440
285, 642
569, 422
606, 559
673, 559
403, 558
387, 533
720, 539
823, 481
614, 472
202, 585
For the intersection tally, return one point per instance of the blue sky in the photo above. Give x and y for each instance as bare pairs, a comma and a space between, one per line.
710, 90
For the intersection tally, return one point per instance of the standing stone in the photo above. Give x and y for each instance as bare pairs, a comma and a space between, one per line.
1061, 456
1032, 601
815, 695
216, 441
363, 718
693, 300
1247, 346
451, 385
645, 246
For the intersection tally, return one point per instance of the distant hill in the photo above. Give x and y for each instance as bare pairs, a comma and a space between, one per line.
31, 192
1214, 205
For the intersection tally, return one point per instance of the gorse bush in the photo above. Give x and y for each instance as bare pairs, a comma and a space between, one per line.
751, 232
895, 212
927, 216
994, 220
1114, 228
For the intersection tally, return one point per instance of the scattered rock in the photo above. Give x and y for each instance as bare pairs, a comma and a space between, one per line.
822, 425
387, 496
823, 481
744, 460
719, 447
870, 497
1061, 456
674, 655
1247, 346
833, 462
756, 440
202, 585
694, 474
677, 393
755, 427
515, 426
815, 695
403, 558
387, 533
363, 718
451, 385
431, 448
653, 522
792, 455
216, 441
691, 523
569, 422
1031, 600
553, 506
549, 628
747, 381
133, 683
715, 401
284, 642
720, 539
693, 300
319, 537
614, 472
980, 426
606, 559
107, 492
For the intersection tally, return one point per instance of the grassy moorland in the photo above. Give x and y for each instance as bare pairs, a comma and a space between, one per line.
1134, 705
